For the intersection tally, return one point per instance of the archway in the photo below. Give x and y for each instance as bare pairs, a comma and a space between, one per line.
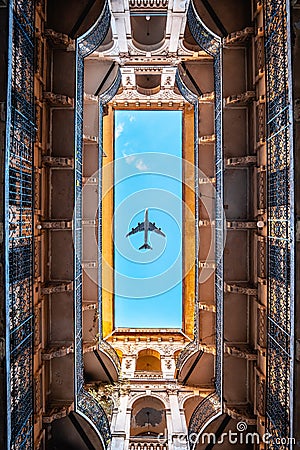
148, 360
148, 418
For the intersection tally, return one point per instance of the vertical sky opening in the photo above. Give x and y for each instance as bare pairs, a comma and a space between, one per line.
148, 174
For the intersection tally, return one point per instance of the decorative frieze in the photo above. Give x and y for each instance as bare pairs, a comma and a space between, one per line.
241, 225
130, 96
57, 352
240, 289
261, 327
37, 190
241, 99
55, 287
148, 4
151, 444
57, 413
59, 39
89, 307
211, 349
207, 180
243, 161
207, 265
37, 257
261, 121
57, 161
259, 57
260, 397
239, 36
55, 225
241, 413
206, 307
58, 100
206, 223
241, 352
90, 98
89, 264
37, 326
261, 189
209, 139
208, 97
89, 180
89, 222
261, 257
87, 139
37, 395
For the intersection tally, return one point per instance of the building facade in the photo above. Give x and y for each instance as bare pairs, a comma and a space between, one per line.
69, 378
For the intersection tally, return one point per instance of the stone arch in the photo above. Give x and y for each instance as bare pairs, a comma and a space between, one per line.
148, 360
189, 405
148, 416
148, 32
119, 353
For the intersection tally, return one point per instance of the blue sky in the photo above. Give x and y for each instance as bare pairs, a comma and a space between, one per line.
148, 286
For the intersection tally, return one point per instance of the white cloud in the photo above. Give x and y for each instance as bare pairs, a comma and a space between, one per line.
128, 158
132, 119
119, 130
140, 165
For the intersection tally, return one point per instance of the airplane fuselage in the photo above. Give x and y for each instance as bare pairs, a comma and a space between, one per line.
146, 226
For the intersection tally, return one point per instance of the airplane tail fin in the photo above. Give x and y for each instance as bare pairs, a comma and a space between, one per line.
145, 246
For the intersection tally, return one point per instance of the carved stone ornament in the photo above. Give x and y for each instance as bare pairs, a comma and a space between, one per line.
130, 95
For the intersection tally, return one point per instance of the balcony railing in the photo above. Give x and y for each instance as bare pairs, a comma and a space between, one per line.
280, 209
147, 444
205, 412
89, 406
211, 43
147, 374
85, 45
110, 351
18, 213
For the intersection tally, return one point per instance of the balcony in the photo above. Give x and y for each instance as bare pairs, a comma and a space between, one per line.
145, 443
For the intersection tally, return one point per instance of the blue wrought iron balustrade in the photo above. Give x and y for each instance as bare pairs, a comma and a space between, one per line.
89, 406
110, 351
20, 136
205, 412
280, 194
84, 402
94, 37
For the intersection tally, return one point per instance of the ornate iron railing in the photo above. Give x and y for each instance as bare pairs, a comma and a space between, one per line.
211, 43
111, 352
280, 192
85, 45
20, 135
89, 406
91, 40
204, 413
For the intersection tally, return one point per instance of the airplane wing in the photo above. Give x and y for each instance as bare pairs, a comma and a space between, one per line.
152, 227
140, 227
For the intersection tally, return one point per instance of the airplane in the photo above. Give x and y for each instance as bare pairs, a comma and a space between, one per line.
146, 226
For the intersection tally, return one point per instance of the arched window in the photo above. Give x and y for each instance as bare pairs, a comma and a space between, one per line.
148, 417
148, 360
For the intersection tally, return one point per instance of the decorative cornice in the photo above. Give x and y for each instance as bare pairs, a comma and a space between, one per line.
132, 95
